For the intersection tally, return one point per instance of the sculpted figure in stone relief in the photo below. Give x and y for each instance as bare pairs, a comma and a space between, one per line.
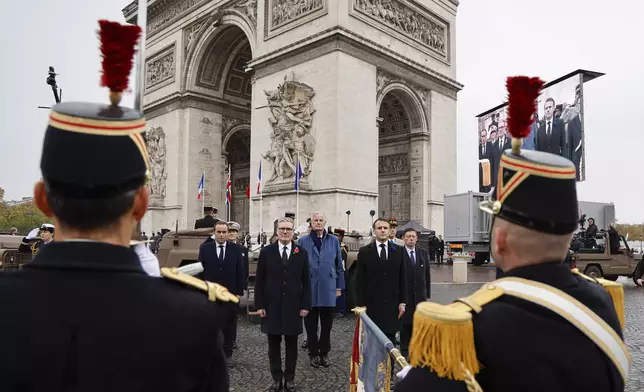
291, 119
157, 154
286, 10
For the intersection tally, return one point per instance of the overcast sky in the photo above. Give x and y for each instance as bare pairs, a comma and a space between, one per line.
495, 39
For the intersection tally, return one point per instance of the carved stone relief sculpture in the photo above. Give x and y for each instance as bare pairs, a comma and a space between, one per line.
291, 118
248, 8
383, 79
157, 154
400, 17
160, 69
190, 35
284, 11
393, 164
162, 14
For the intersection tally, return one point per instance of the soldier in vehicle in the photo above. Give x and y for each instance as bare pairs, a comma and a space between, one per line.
32, 244
496, 337
209, 220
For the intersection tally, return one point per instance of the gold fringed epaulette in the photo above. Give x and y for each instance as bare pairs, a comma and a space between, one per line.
443, 337
216, 292
614, 289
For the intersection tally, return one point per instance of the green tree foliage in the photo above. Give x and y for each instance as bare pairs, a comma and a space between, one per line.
635, 231
1, 194
23, 216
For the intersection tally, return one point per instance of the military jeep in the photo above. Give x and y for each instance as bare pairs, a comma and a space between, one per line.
10, 257
598, 262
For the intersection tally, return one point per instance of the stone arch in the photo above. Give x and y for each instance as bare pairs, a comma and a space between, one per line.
412, 102
213, 26
228, 133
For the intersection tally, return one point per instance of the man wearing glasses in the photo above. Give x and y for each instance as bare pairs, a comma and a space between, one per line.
283, 298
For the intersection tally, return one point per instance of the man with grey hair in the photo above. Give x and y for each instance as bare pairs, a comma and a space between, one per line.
327, 282
282, 297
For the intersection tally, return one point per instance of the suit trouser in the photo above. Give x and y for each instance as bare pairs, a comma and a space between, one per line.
439, 255
405, 337
319, 346
275, 356
230, 328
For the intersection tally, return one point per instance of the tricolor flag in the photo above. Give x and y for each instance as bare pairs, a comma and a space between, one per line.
201, 185
229, 194
259, 177
298, 174
370, 361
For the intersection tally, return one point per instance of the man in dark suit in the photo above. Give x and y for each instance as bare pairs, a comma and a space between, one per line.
503, 141
550, 135
233, 236
572, 147
84, 315
223, 263
283, 298
209, 219
380, 280
418, 284
485, 152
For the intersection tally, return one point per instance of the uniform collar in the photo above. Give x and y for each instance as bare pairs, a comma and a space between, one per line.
86, 255
553, 273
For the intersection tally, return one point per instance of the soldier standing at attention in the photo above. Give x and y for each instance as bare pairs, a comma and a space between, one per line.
233, 232
33, 245
533, 329
209, 220
83, 315
393, 227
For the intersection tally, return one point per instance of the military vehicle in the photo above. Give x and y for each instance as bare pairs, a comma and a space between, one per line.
598, 262
10, 256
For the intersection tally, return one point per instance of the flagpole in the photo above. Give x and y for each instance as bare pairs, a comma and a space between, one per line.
297, 190
203, 191
230, 191
261, 200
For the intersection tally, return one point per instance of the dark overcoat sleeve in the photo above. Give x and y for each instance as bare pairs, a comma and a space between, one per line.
361, 276
402, 277
260, 280
339, 267
428, 275
306, 281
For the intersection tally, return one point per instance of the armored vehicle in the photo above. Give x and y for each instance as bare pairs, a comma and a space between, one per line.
10, 256
598, 262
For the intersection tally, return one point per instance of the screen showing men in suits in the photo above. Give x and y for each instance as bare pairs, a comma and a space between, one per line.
558, 129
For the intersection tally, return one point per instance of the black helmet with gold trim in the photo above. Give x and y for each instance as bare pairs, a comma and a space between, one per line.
97, 150
535, 189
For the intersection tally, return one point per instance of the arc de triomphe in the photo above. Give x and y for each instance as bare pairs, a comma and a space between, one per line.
362, 92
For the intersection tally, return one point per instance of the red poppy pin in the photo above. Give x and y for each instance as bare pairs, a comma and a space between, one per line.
296, 250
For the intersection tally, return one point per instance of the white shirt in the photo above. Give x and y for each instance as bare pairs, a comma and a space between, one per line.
288, 249
217, 244
379, 249
501, 141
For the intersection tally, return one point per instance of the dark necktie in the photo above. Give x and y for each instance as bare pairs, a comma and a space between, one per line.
383, 252
221, 253
548, 130
484, 150
413, 258
284, 255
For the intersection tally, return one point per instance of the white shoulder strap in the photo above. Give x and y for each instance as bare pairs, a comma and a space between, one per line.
576, 313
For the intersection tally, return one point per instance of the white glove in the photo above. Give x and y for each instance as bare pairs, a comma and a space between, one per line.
401, 374
33, 234
149, 262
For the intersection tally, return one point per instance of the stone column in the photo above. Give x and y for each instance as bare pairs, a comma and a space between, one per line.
419, 174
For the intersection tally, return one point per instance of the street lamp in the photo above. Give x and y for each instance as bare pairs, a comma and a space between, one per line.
51, 81
372, 213
348, 213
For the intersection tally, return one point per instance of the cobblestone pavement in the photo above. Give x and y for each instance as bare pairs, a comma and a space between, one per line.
251, 372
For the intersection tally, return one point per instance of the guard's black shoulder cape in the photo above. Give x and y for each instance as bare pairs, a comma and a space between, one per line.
522, 346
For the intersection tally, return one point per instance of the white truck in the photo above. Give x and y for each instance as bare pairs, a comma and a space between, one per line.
467, 228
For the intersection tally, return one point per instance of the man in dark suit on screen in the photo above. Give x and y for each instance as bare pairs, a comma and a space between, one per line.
223, 263
572, 147
550, 135
209, 219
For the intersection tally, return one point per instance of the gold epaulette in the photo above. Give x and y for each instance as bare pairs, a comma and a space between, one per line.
443, 337
216, 292
614, 289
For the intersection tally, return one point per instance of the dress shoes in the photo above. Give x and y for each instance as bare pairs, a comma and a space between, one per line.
315, 361
289, 386
324, 361
275, 387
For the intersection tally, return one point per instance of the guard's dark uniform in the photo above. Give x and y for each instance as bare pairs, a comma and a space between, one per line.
34, 245
521, 332
208, 221
84, 316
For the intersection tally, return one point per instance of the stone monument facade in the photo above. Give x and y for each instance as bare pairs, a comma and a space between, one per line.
360, 94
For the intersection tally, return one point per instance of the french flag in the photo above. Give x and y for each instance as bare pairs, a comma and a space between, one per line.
259, 177
229, 184
201, 185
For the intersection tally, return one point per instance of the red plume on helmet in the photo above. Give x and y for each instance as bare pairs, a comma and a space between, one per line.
522, 95
117, 49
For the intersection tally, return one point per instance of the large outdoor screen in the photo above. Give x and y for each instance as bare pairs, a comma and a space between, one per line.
558, 128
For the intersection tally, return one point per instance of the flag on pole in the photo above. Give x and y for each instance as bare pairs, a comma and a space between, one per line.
201, 185
248, 191
298, 174
370, 361
259, 177
229, 195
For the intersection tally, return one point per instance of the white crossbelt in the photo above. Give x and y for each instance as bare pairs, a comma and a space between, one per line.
576, 313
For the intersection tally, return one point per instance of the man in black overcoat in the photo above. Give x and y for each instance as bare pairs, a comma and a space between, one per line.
209, 220
380, 280
223, 263
418, 276
533, 329
84, 315
282, 299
